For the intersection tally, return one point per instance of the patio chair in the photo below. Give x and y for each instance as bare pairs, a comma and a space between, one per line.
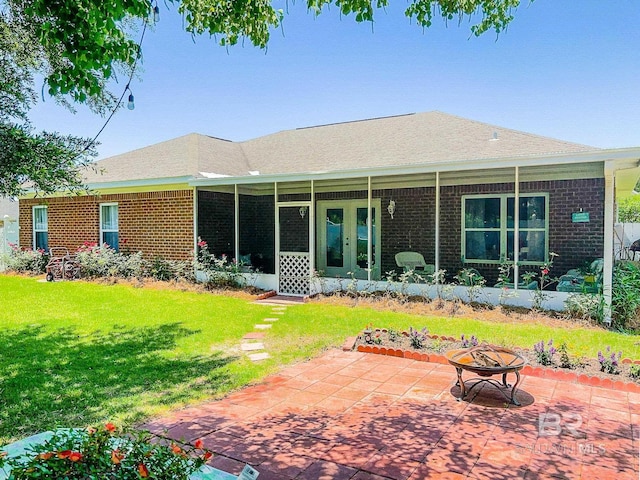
576, 280
414, 261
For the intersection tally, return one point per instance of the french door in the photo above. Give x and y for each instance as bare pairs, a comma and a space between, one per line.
343, 238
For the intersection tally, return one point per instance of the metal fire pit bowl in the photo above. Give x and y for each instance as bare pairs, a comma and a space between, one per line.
486, 361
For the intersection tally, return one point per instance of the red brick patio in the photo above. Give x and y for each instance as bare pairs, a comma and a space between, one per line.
351, 415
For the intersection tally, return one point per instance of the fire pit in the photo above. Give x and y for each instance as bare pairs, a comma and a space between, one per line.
487, 361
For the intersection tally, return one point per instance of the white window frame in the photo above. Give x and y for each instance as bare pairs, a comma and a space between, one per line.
503, 229
33, 222
102, 230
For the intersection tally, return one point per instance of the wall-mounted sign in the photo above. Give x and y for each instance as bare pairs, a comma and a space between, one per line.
580, 217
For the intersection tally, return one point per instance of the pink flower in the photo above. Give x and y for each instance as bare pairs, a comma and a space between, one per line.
545, 271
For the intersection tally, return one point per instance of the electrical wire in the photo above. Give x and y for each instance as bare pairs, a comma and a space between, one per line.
124, 92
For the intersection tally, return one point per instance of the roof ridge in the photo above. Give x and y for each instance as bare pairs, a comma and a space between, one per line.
352, 121
521, 132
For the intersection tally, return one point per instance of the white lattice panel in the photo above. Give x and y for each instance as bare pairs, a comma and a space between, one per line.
294, 273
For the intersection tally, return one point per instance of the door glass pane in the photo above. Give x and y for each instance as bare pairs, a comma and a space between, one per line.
363, 237
335, 234
482, 245
482, 213
532, 246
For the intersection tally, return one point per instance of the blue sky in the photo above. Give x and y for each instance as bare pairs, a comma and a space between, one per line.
567, 69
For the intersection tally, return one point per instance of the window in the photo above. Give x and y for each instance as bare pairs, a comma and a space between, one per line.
488, 228
109, 224
40, 228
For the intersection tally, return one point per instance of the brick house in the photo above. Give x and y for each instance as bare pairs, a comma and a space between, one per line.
460, 192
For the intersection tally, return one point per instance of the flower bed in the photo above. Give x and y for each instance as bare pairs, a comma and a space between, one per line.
582, 370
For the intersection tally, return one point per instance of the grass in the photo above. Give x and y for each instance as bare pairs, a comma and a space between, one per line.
76, 353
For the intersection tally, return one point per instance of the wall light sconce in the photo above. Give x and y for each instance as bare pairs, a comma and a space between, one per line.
391, 208
302, 211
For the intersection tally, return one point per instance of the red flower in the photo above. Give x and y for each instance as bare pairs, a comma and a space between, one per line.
64, 454
176, 449
198, 443
110, 427
143, 471
116, 456
91, 430
44, 456
75, 456
207, 456
545, 271
202, 243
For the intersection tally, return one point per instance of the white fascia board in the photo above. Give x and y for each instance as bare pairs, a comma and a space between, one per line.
621, 158
139, 183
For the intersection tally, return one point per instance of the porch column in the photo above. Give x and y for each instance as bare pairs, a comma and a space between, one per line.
236, 221
312, 231
516, 230
437, 225
609, 218
277, 239
369, 230
195, 221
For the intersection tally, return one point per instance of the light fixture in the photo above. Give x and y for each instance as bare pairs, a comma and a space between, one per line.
156, 14
302, 211
391, 208
130, 103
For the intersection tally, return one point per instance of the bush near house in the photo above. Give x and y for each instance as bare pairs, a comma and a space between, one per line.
629, 210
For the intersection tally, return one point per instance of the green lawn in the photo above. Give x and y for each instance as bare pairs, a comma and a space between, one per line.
76, 353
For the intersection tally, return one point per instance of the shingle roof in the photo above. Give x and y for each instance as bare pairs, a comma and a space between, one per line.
389, 141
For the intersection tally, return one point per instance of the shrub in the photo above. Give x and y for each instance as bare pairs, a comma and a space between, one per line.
218, 271
468, 342
634, 372
586, 306
26, 260
103, 261
625, 302
165, 270
629, 210
544, 355
609, 361
105, 452
418, 338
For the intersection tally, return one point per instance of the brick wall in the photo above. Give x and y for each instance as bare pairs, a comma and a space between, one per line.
575, 243
156, 223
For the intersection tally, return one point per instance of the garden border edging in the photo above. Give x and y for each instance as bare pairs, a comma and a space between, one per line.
542, 372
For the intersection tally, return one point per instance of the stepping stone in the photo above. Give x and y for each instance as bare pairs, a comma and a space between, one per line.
256, 357
262, 326
249, 347
253, 336
271, 319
